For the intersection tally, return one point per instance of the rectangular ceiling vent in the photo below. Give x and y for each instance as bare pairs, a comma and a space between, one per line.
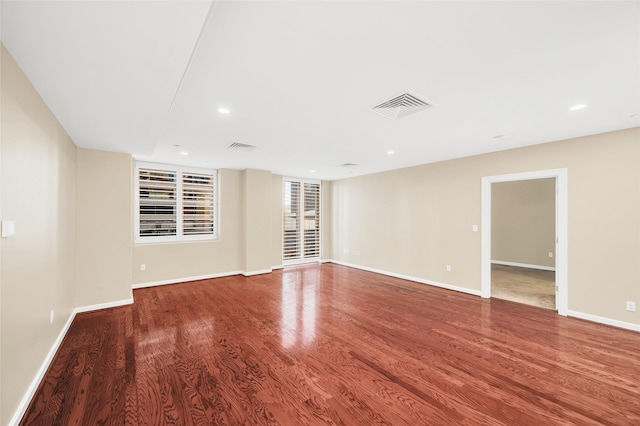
401, 106
237, 146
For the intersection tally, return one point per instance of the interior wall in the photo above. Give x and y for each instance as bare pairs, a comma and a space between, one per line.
104, 238
429, 210
523, 222
175, 261
258, 221
326, 220
38, 262
277, 189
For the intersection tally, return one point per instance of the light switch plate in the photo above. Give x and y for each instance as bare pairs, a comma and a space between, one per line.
8, 228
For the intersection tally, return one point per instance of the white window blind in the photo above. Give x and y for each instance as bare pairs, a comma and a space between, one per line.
157, 196
301, 221
174, 203
291, 226
197, 204
311, 220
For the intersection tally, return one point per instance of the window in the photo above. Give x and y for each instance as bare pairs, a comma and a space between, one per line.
301, 222
174, 203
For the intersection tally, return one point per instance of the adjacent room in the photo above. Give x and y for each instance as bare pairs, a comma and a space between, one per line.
320, 212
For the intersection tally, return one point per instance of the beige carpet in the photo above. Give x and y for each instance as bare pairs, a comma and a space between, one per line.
523, 285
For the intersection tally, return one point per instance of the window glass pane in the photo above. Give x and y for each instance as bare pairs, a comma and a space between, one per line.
301, 222
197, 204
311, 220
157, 192
291, 225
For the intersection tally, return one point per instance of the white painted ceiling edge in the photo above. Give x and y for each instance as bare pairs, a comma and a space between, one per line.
300, 78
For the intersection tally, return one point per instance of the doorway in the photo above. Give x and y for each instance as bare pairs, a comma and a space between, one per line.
301, 221
523, 235
560, 177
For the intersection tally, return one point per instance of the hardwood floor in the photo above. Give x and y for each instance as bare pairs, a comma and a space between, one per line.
328, 344
534, 287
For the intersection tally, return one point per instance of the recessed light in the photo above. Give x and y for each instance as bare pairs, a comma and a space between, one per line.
391, 152
577, 107
312, 171
223, 110
185, 153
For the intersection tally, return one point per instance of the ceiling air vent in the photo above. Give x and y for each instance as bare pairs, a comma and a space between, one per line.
237, 146
348, 165
401, 106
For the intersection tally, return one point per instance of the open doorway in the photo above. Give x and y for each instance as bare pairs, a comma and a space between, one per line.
560, 179
523, 235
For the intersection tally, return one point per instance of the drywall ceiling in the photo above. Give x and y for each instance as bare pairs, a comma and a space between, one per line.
300, 77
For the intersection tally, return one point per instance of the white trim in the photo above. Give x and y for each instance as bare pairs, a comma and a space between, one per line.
187, 279
562, 264
33, 387
303, 180
409, 278
603, 320
179, 171
523, 265
259, 272
294, 262
98, 306
277, 267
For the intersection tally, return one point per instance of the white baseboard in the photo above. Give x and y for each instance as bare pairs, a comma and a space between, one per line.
524, 265
260, 272
187, 279
410, 278
33, 387
103, 306
603, 320
277, 267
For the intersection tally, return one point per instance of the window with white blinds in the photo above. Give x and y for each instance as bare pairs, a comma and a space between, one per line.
301, 222
174, 203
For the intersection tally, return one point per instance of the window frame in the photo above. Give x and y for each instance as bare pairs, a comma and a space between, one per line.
301, 241
179, 171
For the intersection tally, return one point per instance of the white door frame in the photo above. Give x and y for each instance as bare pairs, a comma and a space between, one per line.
562, 295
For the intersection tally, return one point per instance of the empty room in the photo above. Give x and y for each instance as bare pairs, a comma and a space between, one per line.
320, 212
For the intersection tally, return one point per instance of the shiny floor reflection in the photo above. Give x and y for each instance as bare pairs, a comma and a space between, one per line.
327, 344
299, 303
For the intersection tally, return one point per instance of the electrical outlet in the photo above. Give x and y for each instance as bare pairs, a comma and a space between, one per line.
475, 228
346, 251
550, 254
358, 253
143, 267
631, 306
51, 317
448, 268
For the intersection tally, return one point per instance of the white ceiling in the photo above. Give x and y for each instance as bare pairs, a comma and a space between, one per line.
300, 77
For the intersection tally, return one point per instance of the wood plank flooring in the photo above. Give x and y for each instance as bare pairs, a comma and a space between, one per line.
534, 287
327, 344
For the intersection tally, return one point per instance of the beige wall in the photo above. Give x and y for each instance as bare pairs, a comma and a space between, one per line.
415, 221
326, 221
523, 221
277, 190
38, 263
104, 227
173, 261
258, 195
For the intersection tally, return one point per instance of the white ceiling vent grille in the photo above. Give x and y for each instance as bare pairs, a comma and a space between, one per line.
237, 146
401, 106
